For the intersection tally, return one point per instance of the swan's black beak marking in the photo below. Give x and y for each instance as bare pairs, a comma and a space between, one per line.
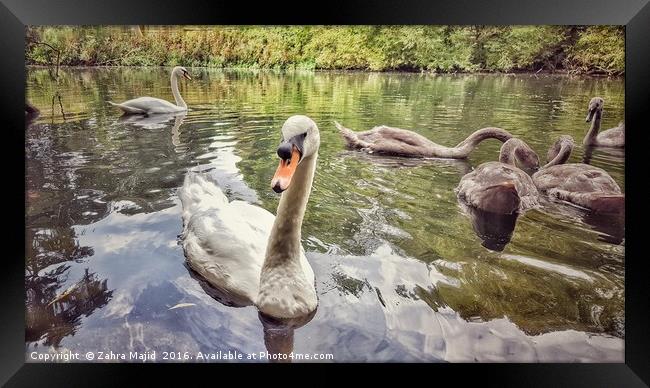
284, 150
290, 153
593, 110
286, 168
297, 141
187, 75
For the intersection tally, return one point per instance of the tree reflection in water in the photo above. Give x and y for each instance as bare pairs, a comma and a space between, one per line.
52, 317
52, 212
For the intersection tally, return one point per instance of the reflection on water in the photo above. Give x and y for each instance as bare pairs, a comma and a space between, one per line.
609, 228
403, 273
494, 229
612, 155
279, 334
60, 317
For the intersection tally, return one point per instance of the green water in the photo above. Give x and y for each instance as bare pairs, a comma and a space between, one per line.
401, 273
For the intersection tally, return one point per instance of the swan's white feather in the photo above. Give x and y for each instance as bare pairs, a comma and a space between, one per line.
146, 105
225, 242
152, 105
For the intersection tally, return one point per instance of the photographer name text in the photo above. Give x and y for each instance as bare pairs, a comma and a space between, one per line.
154, 356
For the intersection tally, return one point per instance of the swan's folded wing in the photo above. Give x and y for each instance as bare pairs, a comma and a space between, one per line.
227, 245
199, 194
149, 105
128, 109
576, 178
613, 136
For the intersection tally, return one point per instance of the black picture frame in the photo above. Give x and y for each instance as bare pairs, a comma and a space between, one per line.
634, 14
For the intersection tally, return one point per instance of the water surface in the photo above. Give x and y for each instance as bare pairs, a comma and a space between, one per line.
402, 274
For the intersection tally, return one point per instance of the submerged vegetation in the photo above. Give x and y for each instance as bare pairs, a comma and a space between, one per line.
444, 49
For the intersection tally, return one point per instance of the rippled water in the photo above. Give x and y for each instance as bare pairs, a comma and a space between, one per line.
401, 273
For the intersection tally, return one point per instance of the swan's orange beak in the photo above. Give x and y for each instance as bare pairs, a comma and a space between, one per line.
287, 167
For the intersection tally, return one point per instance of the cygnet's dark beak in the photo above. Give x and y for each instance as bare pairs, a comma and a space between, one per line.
590, 114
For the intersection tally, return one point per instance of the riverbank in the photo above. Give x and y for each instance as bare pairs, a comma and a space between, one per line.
435, 49
543, 72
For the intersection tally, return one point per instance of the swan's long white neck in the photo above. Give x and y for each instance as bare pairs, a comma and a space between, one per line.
177, 95
284, 245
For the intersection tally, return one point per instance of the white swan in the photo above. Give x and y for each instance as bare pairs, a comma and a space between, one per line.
242, 249
149, 105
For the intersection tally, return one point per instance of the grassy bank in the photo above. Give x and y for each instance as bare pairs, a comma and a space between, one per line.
575, 49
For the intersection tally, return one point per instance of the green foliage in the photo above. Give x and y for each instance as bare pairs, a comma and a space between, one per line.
441, 49
375, 48
342, 47
522, 47
601, 49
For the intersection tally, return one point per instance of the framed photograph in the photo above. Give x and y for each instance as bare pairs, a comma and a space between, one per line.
439, 184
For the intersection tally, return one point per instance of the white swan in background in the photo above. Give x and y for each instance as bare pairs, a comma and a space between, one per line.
149, 105
242, 249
